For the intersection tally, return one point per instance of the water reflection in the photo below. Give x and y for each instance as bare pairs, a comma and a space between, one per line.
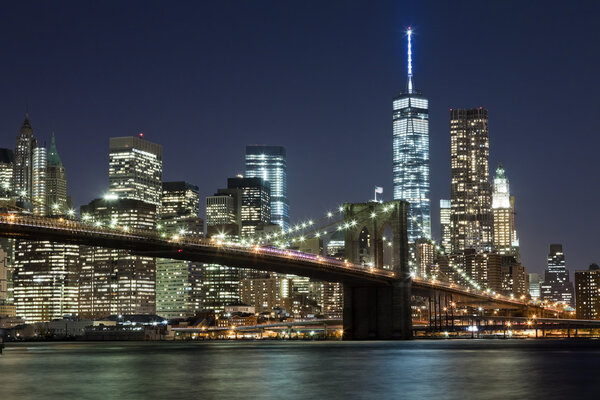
480, 369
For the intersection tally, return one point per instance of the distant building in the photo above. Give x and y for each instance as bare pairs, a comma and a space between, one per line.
470, 194
332, 300
113, 281
179, 291
266, 293
57, 202
255, 206
411, 155
7, 160
425, 256
23, 158
270, 164
587, 293
503, 210
46, 280
557, 287
38, 189
445, 225
535, 286
135, 169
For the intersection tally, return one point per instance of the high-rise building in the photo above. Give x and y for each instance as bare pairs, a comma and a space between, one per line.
557, 287
411, 155
179, 290
56, 183
22, 171
470, 195
46, 280
255, 206
587, 293
7, 161
269, 163
445, 225
535, 289
114, 281
265, 294
135, 169
38, 188
505, 235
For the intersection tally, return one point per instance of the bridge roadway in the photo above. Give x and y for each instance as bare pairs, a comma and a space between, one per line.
151, 244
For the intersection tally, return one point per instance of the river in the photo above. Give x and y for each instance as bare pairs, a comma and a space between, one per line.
419, 369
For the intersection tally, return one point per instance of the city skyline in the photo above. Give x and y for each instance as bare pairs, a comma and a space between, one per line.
531, 224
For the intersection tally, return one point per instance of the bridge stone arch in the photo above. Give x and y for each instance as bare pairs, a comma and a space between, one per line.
378, 311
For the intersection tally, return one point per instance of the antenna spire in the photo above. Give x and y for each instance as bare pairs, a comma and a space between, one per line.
409, 85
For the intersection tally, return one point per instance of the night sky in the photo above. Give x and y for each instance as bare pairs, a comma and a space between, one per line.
318, 77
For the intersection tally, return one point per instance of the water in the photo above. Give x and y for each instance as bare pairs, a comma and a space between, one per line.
453, 369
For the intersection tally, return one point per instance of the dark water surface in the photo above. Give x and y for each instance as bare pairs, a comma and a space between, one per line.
459, 369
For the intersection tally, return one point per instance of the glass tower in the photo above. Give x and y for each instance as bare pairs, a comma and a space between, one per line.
269, 163
411, 155
557, 286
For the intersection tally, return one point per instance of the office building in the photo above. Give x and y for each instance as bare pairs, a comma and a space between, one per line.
503, 211
46, 280
7, 160
135, 169
223, 213
587, 293
38, 180
266, 294
471, 221
535, 288
557, 287
23, 158
255, 207
179, 291
114, 281
57, 202
411, 155
269, 163
445, 225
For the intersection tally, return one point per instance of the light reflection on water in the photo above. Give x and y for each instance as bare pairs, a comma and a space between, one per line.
459, 369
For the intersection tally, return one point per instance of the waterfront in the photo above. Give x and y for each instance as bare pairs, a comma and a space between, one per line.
452, 369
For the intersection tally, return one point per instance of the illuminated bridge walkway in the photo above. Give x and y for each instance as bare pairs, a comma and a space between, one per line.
376, 301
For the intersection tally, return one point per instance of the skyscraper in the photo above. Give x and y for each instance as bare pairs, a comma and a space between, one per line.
255, 205
38, 186
587, 291
56, 183
557, 287
411, 155
505, 235
445, 224
7, 161
470, 193
114, 281
135, 169
269, 163
179, 290
22, 172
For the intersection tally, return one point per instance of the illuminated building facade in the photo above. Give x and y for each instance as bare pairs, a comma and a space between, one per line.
557, 287
332, 300
56, 183
411, 155
445, 225
471, 221
223, 213
38, 188
503, 211
179, 291
135, 169
114, 281
45, 280
587, 293
255, 208
22, 170
266, 293
269, 163
7, 160
535, 282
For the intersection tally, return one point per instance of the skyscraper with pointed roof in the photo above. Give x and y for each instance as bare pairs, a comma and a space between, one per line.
411, 154
56, 182
23, 168
503, 212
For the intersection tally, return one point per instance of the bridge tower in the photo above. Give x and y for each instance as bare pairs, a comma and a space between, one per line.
370, 311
